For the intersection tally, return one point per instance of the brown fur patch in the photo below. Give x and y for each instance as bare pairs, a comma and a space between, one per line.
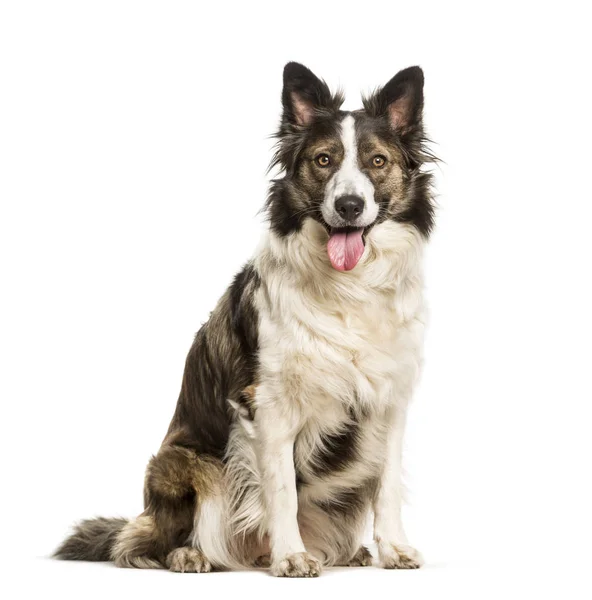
176, 479
246, 399
312, 178
389, 180
177, 472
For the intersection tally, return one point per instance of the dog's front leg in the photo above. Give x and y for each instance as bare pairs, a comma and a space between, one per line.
276, 456
393, 549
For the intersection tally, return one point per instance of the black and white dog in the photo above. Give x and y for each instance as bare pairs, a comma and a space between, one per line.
289, 425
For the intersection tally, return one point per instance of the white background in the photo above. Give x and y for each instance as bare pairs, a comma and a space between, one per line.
133, 148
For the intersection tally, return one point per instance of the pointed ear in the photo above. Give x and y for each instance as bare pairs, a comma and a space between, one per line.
401, 100
303, 94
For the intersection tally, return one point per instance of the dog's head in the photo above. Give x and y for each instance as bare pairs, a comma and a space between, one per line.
350, 171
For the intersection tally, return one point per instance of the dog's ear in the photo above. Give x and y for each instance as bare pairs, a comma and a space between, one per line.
401, 100
304, 95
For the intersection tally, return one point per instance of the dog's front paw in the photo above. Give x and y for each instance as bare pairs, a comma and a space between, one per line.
300, 564
399, 556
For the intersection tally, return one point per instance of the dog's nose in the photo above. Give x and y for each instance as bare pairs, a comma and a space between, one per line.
349, 207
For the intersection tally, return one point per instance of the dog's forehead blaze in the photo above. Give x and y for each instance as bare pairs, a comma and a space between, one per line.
332, 136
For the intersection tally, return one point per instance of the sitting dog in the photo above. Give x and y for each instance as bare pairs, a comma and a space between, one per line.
289, 425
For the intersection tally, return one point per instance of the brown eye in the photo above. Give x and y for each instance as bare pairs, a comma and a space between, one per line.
378, 161
323, 160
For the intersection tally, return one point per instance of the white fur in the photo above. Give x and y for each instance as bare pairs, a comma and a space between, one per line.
349, 179
211, 533
244, 482
278, 477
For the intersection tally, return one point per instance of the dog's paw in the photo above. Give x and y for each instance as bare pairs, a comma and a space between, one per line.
362, 558
399, 556
187, 560
301, 564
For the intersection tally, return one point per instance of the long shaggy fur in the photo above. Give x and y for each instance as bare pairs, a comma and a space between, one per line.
91, 540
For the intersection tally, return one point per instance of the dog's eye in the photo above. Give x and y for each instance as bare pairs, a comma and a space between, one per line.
323, 160
378, 161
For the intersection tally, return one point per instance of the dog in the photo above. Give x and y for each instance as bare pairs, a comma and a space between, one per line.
288, 430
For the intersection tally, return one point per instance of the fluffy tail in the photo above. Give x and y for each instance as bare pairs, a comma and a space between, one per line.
92, 539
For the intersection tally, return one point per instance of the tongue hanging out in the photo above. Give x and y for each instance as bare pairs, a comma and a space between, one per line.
345, 248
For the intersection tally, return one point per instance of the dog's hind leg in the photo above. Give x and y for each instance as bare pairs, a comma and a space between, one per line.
180, 486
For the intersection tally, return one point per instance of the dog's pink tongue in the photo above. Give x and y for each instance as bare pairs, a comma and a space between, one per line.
345, 249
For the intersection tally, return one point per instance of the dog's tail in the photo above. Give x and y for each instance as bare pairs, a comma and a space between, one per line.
93, 539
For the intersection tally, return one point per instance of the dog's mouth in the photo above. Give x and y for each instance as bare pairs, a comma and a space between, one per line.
345, 247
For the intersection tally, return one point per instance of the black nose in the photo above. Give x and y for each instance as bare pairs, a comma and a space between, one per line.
349, 207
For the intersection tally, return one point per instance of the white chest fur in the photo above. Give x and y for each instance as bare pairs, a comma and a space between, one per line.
334, 344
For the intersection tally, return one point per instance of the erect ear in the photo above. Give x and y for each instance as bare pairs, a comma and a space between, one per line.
401, 99
303, 94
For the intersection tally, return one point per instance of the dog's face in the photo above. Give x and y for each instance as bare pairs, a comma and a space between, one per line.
349, 171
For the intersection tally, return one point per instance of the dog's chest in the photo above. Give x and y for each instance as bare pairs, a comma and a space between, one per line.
324, 356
